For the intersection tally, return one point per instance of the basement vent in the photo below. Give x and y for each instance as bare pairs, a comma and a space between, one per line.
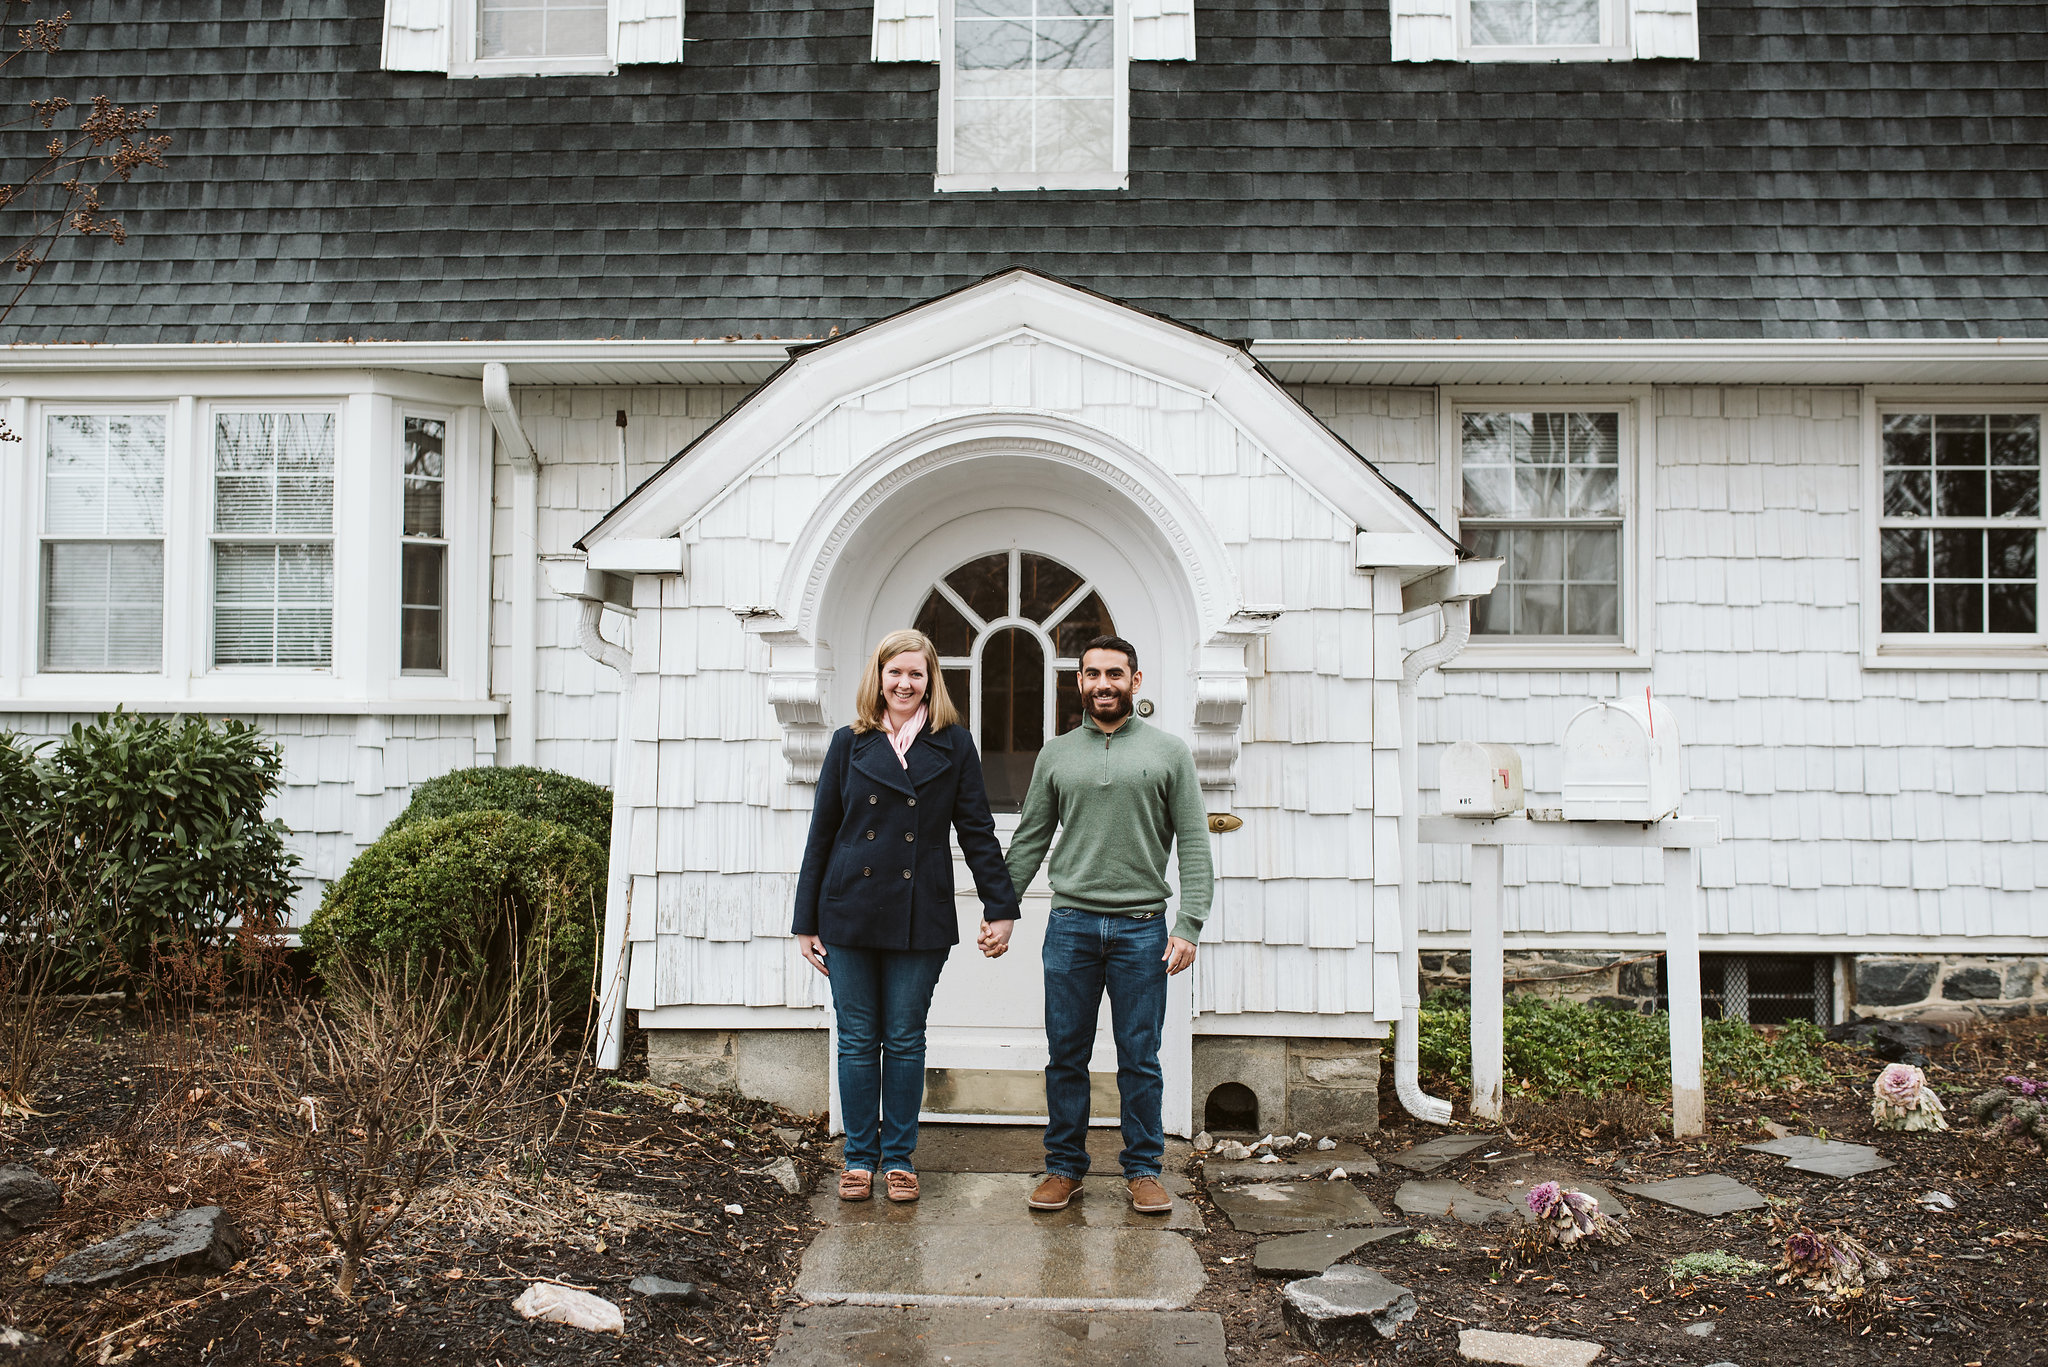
1762, 989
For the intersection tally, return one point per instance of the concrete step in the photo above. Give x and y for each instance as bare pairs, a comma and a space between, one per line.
1014, 1148
993, 1199
1026, 1266
861, 1336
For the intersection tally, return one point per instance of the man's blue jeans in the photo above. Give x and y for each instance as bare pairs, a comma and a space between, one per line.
881, 997
1086, 954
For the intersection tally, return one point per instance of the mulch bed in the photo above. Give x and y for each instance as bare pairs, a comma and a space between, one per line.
1968, 1286
631, 1187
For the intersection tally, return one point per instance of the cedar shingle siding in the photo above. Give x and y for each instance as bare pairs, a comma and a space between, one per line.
1827, 169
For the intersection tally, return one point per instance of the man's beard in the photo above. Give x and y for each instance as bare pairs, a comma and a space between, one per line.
1120, 705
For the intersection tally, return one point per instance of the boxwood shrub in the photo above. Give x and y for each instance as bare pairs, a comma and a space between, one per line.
537, 794
506, 906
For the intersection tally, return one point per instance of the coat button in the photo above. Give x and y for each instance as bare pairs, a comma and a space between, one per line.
865, 872
871, 835
913, 802
910, 835
872, 799
906, 873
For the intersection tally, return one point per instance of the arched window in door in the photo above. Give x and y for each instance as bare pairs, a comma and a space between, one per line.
1010, 628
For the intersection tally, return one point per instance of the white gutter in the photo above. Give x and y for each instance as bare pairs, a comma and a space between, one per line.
616, 944
464, 359
1457, 615
522, 724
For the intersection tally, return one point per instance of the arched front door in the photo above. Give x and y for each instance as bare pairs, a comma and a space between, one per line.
1010, 598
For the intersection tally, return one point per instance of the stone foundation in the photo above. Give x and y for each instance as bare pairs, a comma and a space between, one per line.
785, 1067
1625, 980
1324, 1086
1904, 986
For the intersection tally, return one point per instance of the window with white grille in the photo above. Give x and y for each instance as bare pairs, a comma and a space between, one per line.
273, 539
1959, 527
1557, 27
423, 550
103, 542
541, 28
1033, 95
1543, 492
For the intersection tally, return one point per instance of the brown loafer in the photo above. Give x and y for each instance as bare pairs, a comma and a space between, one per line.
1055, 1192
1148, 1197
856, 1184
902, 1185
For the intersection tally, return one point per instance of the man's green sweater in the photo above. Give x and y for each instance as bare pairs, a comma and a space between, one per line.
1121, 799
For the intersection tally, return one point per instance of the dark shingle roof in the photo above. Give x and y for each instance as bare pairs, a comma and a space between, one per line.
1829, 169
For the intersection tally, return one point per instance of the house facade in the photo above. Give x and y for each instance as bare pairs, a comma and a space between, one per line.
589, 384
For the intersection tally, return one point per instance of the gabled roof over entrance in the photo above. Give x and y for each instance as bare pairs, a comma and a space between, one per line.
1022, 305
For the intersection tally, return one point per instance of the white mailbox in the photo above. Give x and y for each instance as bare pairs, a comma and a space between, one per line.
1621, 763
1480, 780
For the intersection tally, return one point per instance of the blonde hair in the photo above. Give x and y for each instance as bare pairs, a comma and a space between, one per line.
869, 706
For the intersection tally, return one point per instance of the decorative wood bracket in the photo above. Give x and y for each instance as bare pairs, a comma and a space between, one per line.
799, 674
1222, 692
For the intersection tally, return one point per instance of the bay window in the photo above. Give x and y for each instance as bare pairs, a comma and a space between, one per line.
423, 550
273, 539
103, 542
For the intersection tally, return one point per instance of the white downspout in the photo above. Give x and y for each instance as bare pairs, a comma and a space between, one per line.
1407, 1048
612, 955
522, 683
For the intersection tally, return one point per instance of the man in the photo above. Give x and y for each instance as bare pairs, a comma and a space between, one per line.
1122, 794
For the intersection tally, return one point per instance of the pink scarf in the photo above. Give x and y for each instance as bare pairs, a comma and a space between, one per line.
899, 740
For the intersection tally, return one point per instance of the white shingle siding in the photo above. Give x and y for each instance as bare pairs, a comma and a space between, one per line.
1853, 802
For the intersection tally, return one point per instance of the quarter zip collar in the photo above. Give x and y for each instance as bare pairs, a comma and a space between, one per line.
1130, 722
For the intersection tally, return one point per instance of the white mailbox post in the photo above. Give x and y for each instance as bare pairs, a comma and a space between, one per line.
1621, 776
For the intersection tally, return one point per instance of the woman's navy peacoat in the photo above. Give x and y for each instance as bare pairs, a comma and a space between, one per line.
878, 867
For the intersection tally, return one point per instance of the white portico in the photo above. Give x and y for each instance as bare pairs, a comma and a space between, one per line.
1015, 467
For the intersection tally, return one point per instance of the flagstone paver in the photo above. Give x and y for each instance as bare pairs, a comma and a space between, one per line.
1448, 1199
1028, 1267
1806, 1146
864, 1336
1841, 1164
1309, 1254
1346, 1307
1285, 1207
1710, 1194
1443, 1150
1524, 1350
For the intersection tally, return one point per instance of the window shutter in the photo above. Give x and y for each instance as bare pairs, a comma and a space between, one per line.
1163, 30
417, 34
906, 31
648, 31
1665, 28
1426, 30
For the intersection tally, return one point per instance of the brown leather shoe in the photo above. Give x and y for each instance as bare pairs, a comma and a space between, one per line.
1055, 1192
856, 1184
902, 1185
1148, 1197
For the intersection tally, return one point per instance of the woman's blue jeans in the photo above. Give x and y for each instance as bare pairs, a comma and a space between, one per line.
881, 998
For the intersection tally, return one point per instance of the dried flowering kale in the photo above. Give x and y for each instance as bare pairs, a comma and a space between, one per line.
1902, 1100
1565, 1217
1833, 1264
2019, 1114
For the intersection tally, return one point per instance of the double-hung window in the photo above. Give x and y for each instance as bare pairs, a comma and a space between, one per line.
515, 30
1959, 528
1543, 492
423, 550
273, 539
1033, 95
1544, 30
103, 542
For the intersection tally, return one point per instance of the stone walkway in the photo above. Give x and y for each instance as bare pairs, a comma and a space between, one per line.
970, 1277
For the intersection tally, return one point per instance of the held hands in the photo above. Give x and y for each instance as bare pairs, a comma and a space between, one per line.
994, 940
1179, 955
813, 950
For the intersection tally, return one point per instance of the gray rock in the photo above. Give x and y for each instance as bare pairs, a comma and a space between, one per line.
1971, 985
1524, 1350
1284, 1207
655, 1288
1203, 1142
1700, 1330
1427, 1158
2020, 979
1893, 984
783, 1170
1709, 1194
1346, 1307
1307, 1255
19, 1348
1355, 1161
1842, 1164
1441, 1199
195, 1240
27, 1198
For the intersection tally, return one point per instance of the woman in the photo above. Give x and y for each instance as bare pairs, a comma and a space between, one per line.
874, 903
